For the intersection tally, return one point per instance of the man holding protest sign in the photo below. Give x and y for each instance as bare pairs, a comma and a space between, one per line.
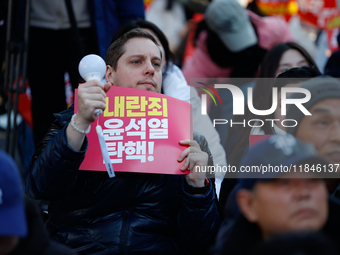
133, 212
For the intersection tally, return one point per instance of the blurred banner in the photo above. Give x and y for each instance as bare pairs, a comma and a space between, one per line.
323, 14
319, 14
285, 8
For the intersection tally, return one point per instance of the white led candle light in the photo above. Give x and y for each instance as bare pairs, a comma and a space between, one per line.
92, 67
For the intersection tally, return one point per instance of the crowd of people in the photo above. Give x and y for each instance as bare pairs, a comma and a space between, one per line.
288, 205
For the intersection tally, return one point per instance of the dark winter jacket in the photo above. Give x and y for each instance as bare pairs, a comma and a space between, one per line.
131, 213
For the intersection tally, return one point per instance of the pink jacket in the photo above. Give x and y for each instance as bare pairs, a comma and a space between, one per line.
270, 30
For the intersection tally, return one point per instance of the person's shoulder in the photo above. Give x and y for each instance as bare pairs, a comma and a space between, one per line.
332, 226
173, 72
237, 236
199, 138
65, 116
334, 210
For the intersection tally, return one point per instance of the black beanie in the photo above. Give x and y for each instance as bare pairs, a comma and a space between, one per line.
321, 87
332, 67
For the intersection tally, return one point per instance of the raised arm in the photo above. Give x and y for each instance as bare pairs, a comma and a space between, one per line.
198, 219
54, 166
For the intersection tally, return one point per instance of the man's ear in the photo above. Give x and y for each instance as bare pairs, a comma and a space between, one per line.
247, 204
109, 74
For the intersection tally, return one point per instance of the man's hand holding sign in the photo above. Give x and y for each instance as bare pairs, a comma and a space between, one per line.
91, 96
193, 157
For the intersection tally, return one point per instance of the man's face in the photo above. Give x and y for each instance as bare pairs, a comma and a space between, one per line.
139, 67
287, 205
322, 129
160, 46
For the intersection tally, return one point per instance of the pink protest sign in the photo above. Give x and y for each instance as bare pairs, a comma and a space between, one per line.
254, 139
142, 130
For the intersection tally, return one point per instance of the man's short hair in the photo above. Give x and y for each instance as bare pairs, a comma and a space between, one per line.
117, 49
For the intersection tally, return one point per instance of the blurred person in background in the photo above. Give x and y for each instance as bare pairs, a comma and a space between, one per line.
239, 138
278, 202
322, 128
232, 41
22, 229
170, 17
73, 29
297, 243
332, 67
13, 223
50, 28
277, 60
